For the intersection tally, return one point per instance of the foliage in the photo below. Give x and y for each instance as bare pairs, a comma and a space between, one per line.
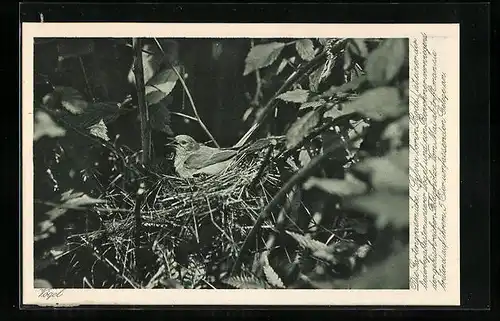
106, 220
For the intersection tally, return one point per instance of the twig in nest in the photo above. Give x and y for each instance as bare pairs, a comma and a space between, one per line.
188, 93
298, 178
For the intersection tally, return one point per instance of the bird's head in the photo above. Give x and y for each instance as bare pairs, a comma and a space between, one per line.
185, 143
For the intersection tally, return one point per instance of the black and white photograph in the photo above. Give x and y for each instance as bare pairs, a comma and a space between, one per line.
221, 163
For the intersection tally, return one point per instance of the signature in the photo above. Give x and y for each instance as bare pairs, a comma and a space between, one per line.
50, 293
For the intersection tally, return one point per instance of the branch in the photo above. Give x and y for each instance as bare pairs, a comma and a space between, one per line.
299, 177
141, 98
87, 83
191, 101
269, 107
184, 116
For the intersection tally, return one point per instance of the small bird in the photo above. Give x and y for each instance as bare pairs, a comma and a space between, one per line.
192, 158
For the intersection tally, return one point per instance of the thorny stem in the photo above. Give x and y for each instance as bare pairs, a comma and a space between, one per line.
298, 178
191, 101
141, 99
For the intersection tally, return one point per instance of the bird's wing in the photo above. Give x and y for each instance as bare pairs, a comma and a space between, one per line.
205, 157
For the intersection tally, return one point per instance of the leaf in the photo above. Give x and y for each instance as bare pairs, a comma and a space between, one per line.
400, 158
170, 283
384, 63
392, 273
295, 96
363, 250
349, 186
359, 47
261, 56
72, 199
312, 104
347, 87
347, 58
152, 59
45, 126
301, 128
245, 282
389, 208
71, 99
42, 283
160, 85
334, 113
395, 131
315, 78
323, 41
358, 128
308, 243
155, 96
271, 276
44, 229
378, 104
281, 66
304, 157
385, 174
305, 49
160, 118
100, 130
325, 255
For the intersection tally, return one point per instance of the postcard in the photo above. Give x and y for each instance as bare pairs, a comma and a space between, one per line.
240, 164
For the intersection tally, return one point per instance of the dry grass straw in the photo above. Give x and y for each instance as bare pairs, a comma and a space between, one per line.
178, 211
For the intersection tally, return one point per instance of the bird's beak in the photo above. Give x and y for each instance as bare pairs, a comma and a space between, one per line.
172, 142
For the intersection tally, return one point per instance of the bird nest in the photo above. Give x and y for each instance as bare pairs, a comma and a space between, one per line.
205, 218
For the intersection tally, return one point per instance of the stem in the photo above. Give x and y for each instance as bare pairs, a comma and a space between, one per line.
299, 177
89, 89
186, 90
141, 98
184, 116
